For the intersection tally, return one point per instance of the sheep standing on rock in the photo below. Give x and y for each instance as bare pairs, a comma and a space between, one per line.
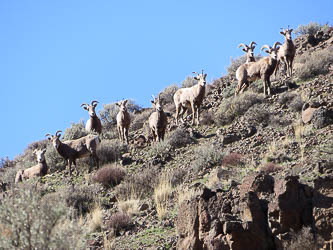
286, 52
190, 98
72, 150
94, 123
262, 69
123, 121
249, 51
158, 120
38, 170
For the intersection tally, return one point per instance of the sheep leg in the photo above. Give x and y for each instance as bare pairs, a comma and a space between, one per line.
177, 113
70, 167
126, 134
198, 114
182, 112
119, 132
193, 112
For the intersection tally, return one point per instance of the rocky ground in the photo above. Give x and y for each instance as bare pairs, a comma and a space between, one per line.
259, 180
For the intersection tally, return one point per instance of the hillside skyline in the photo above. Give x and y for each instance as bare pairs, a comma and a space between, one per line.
55, 56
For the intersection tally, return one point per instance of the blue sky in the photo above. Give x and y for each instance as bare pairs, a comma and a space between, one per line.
55, 55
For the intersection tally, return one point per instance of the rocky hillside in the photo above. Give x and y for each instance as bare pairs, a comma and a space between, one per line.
256, 174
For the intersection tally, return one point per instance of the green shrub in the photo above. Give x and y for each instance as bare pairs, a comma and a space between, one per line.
310, 29
80, 198
160, 149
232, 108
315, 64
189, 82
207, 156
110, 175
28, 221
109, 113
110, 151
76, 131
168, 92
53, 159
235, 63
258, 115
179, 138
140, 119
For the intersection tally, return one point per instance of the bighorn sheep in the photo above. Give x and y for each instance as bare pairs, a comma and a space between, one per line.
286, 52
249, 51
74, 149
190, 98
94, 123
158, 120
38, 170
262, 69
123, 121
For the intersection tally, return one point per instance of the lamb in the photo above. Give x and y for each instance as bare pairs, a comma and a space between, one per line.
158, 120
123, 121
94, 123
287, 52
262, 69
72, 150
38, 170
249, 51
190, 98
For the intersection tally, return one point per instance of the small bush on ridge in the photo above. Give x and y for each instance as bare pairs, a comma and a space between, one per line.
110, 175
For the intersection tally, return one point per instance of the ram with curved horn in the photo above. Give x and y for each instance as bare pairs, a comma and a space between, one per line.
72, 150
262, 69
191, 98
249, 51
94, 123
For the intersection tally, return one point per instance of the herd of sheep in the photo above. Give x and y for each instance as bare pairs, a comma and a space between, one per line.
185, 99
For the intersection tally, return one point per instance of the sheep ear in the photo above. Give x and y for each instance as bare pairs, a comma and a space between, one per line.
44, 150
117, 104
196, 78
85, 107
291, 30
205, 75
152, 101
125, 101
244, 50
282, 33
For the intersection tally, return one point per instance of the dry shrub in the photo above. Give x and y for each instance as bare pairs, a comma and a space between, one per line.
315, 64
310, 29
232, 160
140, 184
161, 149
189, 82
179, 138
235, 63
258, 115
110, 175
292, 100
177, 176
207, 118
118, 221
231, 109
270, 167
110, 151
303, 240
129, 206
186, 194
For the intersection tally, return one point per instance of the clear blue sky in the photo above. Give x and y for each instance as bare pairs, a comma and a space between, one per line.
55, 55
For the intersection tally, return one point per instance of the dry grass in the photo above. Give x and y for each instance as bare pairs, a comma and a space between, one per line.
129, 206
162, 193
186, 194
95, 219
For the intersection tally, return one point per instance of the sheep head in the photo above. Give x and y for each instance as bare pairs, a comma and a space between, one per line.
122, 105
272, 51
90, 108
201, 78
55, 139
286, 33
249, 50
40, 155
157, 103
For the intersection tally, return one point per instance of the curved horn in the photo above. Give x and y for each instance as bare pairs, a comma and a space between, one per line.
153, 97
202, 71
93, 103
48, 135
195, 72
56, 134
242, 45
252, 43
265, 46
84, 104
276, 44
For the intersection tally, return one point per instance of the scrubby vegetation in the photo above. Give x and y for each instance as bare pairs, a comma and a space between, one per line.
133, 199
